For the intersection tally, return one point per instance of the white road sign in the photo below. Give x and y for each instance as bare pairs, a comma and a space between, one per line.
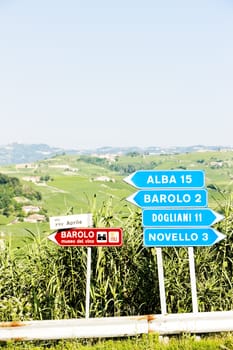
69, 221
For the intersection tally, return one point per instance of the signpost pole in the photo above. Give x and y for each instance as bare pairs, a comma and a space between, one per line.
161, 281
88, 283
175, 213
193, 279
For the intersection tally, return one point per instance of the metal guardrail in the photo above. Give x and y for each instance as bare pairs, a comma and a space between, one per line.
197, 323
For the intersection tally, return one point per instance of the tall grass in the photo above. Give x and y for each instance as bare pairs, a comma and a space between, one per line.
148, 342
43, 281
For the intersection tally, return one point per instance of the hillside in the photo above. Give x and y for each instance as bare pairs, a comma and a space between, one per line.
77, 183
19, 153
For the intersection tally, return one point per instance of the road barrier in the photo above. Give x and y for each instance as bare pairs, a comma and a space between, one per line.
108, 327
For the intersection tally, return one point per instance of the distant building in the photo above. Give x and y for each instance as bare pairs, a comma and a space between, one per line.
26, 166
60, 166
21, 199
34, 179
30, 209
104, 179
216, 164
33, 218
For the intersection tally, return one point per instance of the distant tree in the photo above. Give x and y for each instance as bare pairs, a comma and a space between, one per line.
10, 187
133, 154
45, 178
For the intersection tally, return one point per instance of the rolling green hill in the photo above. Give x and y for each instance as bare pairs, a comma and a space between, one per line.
78, 184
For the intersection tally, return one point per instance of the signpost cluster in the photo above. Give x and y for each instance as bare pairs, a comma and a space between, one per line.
175, 213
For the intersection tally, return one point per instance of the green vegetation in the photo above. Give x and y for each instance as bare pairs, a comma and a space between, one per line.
39, 280
145, 342
10, 189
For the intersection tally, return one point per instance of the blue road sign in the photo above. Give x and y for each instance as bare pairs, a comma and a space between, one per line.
180, 217
169, 198
181, 237
166, 179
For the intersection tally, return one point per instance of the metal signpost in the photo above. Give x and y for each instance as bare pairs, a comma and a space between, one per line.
69, 222
75, 231
174, 215
88, 284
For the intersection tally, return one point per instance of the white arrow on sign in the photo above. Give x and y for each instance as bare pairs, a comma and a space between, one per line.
180, 217
181, 237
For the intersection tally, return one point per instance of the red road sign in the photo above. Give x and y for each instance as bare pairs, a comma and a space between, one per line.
89, 237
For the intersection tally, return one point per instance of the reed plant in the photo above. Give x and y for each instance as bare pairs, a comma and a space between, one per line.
41, 280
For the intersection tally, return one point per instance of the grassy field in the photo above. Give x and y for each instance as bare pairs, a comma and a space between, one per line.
145, 342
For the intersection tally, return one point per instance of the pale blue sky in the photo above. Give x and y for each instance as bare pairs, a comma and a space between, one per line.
92, 73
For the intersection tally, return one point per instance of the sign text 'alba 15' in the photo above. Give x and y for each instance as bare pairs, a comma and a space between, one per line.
166, 179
